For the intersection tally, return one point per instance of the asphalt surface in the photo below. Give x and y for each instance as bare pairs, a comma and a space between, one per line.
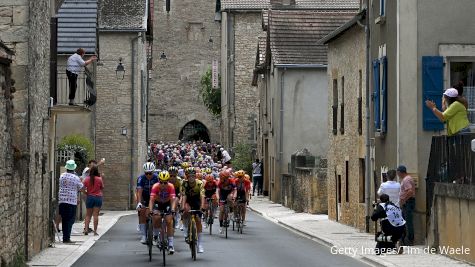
263, 243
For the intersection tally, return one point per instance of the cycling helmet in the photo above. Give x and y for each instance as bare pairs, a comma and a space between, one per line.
185, 165
164, 176
209, 177
207, 170
224, 174
149, 167
173, 170
239, 173
247, 177
190, 170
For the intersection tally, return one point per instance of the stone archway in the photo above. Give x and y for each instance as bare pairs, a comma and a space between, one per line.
193, 131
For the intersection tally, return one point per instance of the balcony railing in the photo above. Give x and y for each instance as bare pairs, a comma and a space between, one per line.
85, 92
451, 161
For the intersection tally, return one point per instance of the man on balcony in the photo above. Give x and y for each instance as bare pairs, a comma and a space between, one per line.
74, 67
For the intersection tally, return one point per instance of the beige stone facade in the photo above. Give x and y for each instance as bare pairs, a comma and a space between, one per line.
346, 153
121, 105
189, 37
239, 100
24, 174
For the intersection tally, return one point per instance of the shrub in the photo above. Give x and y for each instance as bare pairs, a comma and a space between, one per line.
211, 97
81, 145
243, 158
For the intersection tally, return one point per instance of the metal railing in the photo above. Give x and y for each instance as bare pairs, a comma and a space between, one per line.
85, 92
451, 161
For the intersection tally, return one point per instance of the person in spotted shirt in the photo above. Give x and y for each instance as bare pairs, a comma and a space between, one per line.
69, 186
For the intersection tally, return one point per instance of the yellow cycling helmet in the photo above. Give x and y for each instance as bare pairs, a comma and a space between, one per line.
164, 176
240, 173
185, 165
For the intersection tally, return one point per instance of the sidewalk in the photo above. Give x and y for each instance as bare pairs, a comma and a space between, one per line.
66, 254
344, 239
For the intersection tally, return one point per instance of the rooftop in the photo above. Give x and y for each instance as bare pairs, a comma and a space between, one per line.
299, 4
123, 15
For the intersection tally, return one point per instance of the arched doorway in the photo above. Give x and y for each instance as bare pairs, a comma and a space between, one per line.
193, 131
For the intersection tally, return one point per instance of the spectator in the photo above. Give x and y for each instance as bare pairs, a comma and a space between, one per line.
69, 186
257, 177
226, 157
407, 201
74, 67
455, 115
391, 188
94, 186
459, 87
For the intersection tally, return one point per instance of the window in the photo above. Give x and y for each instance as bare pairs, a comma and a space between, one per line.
347, 184
338, 184
360, 103
362, 180
380, 93
382, 8
335, 106
342, 106
143, 93
465, 72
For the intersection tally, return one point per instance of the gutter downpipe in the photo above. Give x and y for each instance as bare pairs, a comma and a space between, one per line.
281, 148
367, 108
132, 112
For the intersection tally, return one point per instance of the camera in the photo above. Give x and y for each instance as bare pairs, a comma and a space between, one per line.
380, 237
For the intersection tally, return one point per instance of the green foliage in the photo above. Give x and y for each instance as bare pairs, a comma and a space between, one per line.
81, 145
243, 158
18, 260
211, 97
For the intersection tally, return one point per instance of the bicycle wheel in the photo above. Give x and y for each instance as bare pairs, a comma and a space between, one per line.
163, 241
193, 239
149, 238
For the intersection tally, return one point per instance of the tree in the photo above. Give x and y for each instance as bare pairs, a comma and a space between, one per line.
211, 97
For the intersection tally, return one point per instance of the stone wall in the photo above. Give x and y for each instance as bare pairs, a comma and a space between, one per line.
346, 58
305, 190
244, 107
114, 112
25, 185
184, 36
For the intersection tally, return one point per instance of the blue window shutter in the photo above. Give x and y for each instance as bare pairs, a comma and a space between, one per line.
384, 96
433, 87
376, 93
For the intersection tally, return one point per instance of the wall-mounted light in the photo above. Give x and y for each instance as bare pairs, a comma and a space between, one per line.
163, 56
123, 131
120, 70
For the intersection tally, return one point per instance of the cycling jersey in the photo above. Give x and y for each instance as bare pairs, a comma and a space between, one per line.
193, 194
146, 185
225, 189
242, 186
210, 188
163, 194
177, 185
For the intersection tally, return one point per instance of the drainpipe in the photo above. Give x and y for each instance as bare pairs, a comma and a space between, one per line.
132, 113
281, 137
367, 109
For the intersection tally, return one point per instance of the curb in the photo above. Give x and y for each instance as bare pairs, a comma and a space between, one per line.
82, 249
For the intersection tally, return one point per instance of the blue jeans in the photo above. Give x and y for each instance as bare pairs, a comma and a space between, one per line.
68, 216
407, 213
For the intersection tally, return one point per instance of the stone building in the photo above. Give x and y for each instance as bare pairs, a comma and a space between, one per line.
121, 109
240, 29
186, 44
347, 123
291, 76
24, 173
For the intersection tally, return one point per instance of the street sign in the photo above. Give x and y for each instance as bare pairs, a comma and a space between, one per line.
214, 75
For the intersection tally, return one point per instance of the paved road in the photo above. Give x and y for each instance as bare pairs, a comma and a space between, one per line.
263, 243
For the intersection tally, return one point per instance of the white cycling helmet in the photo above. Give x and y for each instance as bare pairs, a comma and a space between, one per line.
149, 167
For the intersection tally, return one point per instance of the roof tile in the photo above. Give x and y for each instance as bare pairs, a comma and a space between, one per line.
122, 15
300, 4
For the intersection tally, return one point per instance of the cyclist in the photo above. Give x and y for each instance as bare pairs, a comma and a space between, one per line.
192, 199
227, 191
162, 198
176, 181
145, 183
243, 187
210, 187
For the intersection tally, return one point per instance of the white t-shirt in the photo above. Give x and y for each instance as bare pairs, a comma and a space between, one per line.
226, 156
391, 188
75, 63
